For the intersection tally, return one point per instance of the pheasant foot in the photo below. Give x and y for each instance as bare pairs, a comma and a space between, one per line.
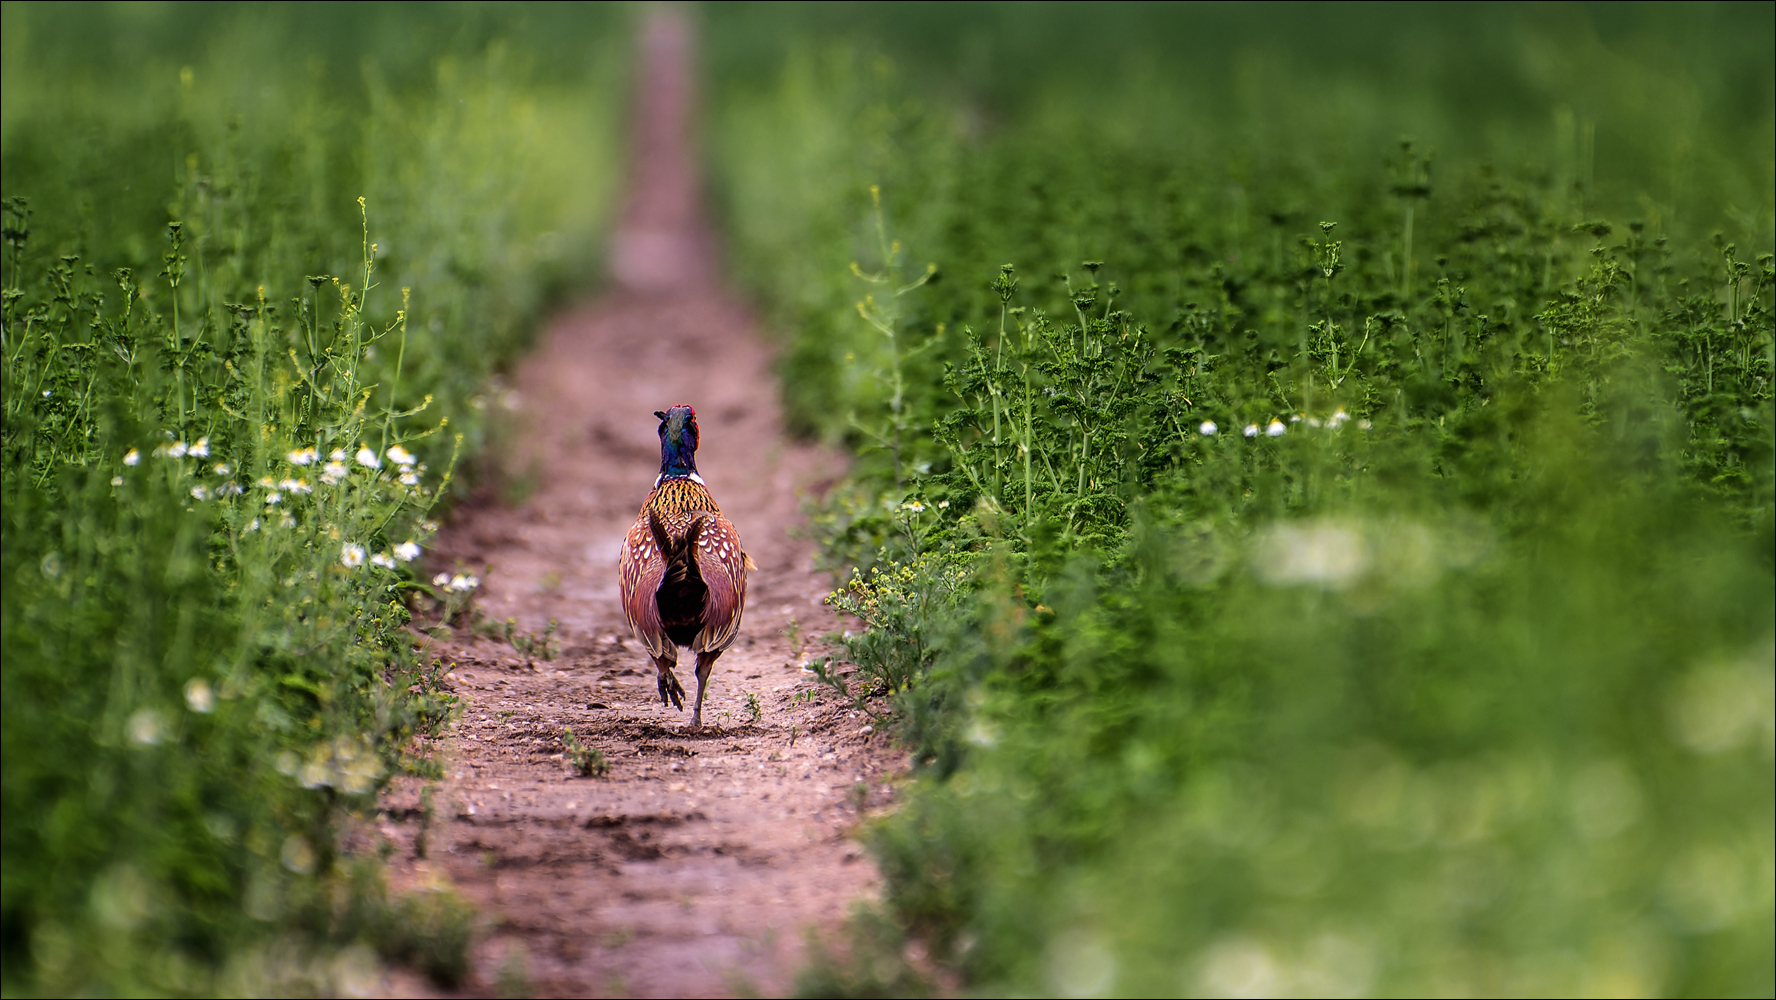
671, 691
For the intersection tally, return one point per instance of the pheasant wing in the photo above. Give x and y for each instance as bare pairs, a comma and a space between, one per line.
723, 568
642, 566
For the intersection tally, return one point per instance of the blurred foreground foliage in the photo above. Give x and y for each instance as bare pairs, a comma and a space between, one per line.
261, 262
1313, 518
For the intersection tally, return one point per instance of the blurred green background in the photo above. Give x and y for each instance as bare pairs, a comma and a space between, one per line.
1453, 676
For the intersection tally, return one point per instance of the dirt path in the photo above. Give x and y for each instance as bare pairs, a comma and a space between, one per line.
697, 866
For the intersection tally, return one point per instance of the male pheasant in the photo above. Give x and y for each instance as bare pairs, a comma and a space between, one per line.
684, 574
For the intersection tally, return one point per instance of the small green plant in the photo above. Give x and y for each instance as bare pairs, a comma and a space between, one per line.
430, 931
885, 316
755, 709
826, 671
900, 603
513, 979
499, 631
867, 957
586, 761
455, 594
793, 632
427, 816
545, 645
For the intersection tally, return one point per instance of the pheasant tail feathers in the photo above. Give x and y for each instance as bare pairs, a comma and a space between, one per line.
656, 568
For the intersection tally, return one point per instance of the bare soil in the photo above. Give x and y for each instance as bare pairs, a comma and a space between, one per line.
701, 862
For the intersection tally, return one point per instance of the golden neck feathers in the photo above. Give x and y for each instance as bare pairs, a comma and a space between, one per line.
680, 495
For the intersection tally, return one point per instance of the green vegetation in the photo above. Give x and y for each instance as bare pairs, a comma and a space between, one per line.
1313, 511
261, 262
586, 761
1303, 559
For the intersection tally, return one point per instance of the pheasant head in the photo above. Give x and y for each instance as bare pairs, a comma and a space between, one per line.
678, 442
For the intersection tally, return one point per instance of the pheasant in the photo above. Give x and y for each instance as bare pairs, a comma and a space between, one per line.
683, 571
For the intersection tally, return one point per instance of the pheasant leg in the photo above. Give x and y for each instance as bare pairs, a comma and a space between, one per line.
705, 663
671, 691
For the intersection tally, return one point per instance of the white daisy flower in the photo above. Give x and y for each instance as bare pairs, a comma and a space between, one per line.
407, 551
145, 727
399, 455
352, 556
273, 497
1276, 429
223, 468
332, 472
1364, 424
368, 459
131, 457
383, 559
1251, 430
337, 455
301, 456
116, 480
252, 526
1207, 428
441, 580
229, 490
287, 522
409, 477
295, 486
201, 449
198, 696
175, 450
201, 492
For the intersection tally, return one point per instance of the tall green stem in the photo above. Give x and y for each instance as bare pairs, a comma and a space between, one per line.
1406, 258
